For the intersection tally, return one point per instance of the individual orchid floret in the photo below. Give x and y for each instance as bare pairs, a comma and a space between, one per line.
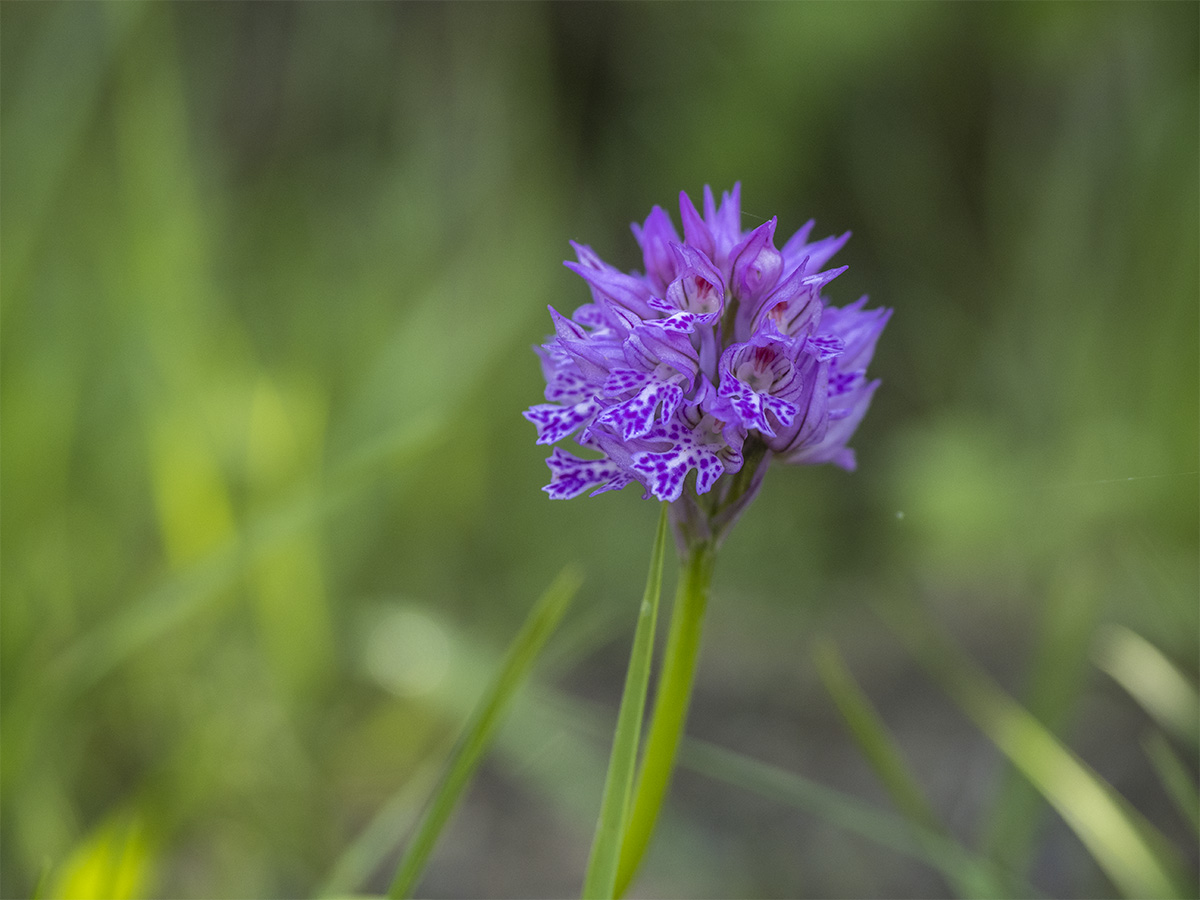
722, 355
660, 366
697, 438
794, 305
762, 380
855, 331
756, 264
812, 402
693, 299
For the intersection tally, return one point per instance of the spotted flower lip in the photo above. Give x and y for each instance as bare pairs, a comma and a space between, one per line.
689, 377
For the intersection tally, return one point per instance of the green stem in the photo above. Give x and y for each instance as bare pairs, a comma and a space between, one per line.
670, 707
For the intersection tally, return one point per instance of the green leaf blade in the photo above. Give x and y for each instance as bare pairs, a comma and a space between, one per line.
1152, 680
872, 737
880, 750
1174, 777
543, 619
916, 841
604, 859
674, 692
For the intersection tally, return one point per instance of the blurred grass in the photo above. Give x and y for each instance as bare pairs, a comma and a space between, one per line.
268, 279
481, 728
1131, 851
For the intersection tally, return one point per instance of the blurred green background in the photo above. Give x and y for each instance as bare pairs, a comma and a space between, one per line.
270, 278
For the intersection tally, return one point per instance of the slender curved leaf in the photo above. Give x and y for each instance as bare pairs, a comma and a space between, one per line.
482, 727
601, 878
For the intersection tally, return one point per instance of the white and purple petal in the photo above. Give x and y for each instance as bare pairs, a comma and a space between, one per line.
752, 407
694, 438
679, 322
571, 476
635, 417
554, 422
664, 472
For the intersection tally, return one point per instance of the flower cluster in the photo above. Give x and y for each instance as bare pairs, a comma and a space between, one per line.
721, 356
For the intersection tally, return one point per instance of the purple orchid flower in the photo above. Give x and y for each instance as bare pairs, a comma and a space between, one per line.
723, 355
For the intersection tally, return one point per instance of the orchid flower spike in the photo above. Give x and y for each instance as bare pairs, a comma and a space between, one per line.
690, 377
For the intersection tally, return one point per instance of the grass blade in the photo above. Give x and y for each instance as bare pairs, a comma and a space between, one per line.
601, 878
1152, 680
881, 752
872, 736
1131, 851
957, 864
481, 728
1175, 778
1059, 672
372, 845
